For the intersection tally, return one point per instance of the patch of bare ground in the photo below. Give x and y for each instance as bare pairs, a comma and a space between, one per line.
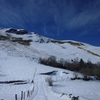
70, 42
95, 54
75, 43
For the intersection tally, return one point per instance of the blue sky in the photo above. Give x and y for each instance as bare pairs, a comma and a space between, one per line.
59, 19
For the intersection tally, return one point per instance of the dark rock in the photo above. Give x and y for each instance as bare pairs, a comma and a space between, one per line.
11, 30
21, 32
41, 40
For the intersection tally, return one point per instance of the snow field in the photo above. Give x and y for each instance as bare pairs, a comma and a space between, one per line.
24, 69
19, 62
86, 90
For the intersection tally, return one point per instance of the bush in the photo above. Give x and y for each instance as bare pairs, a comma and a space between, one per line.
72, 78
97, 73
86, 78
49, 81
75, 74
51, 61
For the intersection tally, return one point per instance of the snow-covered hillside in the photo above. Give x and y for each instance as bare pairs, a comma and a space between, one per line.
19, 54
30, 44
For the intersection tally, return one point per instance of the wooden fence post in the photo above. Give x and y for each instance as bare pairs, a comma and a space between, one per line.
15, 96
24, 95
28, 94
21, 95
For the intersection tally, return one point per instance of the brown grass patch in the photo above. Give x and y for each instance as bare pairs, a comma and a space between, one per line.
75, 43
56, 41
95, 54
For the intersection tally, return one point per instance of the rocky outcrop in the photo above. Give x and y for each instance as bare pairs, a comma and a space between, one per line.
8, 35
20, 32
21, 36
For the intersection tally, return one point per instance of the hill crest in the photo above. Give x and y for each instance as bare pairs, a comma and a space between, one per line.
33, 45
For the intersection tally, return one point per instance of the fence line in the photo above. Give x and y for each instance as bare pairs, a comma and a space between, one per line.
25, 95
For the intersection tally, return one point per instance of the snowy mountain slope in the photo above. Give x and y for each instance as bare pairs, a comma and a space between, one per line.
19, 52
35, 46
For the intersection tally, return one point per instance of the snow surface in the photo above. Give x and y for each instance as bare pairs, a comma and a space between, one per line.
19, 62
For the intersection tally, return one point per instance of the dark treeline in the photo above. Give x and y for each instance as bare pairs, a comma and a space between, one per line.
86, 68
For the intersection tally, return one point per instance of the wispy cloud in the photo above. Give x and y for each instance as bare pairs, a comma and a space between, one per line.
87, 16
55, 15
83, 18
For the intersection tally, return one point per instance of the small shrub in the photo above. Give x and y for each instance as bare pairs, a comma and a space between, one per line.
49, 81
86, 78
79, 78
75, 74
97, 73
73, 78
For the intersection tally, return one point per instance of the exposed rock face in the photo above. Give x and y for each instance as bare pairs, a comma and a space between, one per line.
22, 36
11, 30
20, 32
19, 39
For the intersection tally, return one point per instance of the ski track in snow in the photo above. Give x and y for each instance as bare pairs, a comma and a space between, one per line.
42, 92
